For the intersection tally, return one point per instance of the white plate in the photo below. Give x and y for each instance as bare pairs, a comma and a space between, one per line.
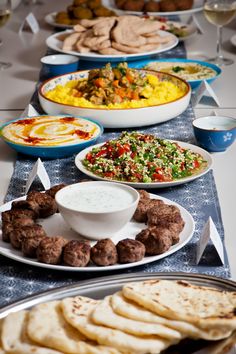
55, 225
233, 40
55, 43
207, 157
197, 6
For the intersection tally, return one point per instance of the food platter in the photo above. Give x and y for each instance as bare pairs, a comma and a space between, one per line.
103, 286
196, 149
54, 42
55, 225
197, 6
188, 29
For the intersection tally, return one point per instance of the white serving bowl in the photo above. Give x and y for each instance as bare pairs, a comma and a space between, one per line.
97, 210
117, 118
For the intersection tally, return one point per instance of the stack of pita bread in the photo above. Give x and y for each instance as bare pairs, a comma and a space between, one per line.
145, 317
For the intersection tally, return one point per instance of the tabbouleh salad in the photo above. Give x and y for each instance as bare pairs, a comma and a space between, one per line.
137, 157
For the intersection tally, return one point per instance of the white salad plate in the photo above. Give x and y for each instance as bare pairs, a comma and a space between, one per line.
55, 225
197, 6
55, 42
207, 157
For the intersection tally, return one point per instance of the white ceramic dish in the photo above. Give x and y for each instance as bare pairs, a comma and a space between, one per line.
55, 225
197, 6
115, 118
54, 42
233, 40
97, 210
207, 157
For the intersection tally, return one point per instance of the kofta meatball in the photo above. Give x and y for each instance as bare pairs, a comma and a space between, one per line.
82, 13
167, 6
77, 253
130, 251
8, 227
120, 3
17, 235
151, 6
144, 195
25, 204
165, 215
10, 215
183, 4
102, 11
53, 190
29, 245
50, 250
144, 205
93, 4
156, 240
46, 204
133, 5
175, 229
104, 253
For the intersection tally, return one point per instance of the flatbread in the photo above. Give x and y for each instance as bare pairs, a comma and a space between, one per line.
179, 300
103, 314
15, 339
77, 312
130, 309
47, 326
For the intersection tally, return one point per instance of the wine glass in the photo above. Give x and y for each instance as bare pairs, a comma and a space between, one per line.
5, 11
220, 13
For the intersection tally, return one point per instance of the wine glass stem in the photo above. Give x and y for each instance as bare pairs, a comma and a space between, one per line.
219, 42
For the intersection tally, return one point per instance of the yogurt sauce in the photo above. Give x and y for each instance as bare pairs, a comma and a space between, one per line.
102, 199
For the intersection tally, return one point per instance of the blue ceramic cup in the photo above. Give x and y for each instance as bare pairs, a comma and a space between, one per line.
59, 64
215, 133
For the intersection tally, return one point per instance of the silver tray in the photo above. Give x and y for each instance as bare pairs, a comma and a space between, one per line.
101, 287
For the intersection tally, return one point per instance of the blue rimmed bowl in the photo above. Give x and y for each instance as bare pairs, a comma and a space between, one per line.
215, 133
194, 83
50, 136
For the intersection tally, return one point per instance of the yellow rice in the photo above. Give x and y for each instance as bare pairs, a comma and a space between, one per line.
158, 92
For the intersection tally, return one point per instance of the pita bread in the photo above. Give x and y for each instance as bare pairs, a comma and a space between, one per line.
15, 339
77, 312
179, 300
47, 326
103, 314
129, 309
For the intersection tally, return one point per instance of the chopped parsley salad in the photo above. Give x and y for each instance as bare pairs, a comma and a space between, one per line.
137, 157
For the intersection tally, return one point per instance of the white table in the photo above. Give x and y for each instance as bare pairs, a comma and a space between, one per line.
17, 85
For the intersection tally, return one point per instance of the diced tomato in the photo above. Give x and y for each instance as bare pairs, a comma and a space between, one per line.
158, 177
196, 164
109, 174
126, 147
182, 166
101, 153
121, 151
138, 176
89, 157
133, 154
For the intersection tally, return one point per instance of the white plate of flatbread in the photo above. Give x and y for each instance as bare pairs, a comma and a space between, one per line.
135, 314
169, 40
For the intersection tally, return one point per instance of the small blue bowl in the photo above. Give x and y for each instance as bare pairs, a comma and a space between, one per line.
194, 83
59, 150
215, 133
59, 64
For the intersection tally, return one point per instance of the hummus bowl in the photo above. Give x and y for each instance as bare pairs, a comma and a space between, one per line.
50, 136
118, 116
193, 71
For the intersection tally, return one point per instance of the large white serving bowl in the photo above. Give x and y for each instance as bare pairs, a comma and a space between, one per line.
97, 210
117, 118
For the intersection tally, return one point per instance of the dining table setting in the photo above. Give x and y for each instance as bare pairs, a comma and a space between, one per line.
117, 165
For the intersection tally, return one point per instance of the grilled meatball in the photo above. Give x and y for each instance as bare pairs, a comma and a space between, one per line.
77, 253
46, 204
164, 215
167, 5
183, 4
104, 253
17, 235
130, 251
29, 245
144, 205
8, 227
175, 231
50, 250
151, 6
143, 194
53, 190
25, 204
133, 5
156, 240
10, 215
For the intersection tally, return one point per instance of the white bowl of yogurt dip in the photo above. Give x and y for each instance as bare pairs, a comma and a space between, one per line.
97, 210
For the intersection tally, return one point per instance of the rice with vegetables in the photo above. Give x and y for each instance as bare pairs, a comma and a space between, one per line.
119, 87
137, 157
